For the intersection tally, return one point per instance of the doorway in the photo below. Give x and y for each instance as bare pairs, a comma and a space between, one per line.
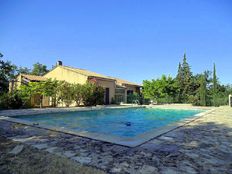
107, 96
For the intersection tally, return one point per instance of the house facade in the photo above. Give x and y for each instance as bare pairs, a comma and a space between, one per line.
115, 89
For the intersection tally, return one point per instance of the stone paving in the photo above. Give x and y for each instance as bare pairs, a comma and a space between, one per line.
202, 146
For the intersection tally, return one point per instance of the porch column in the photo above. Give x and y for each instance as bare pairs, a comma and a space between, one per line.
125, 96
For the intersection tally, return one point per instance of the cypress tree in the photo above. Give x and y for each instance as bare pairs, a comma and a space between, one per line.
214, 85
202, 90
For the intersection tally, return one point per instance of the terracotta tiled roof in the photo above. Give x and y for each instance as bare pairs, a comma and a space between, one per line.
33, 77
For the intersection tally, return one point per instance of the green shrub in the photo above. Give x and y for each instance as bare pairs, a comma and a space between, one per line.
66, 93
113, 101
220, 100
10, 101
134, 98
92, 94
165, 100
3, 101
98, 95
77, 93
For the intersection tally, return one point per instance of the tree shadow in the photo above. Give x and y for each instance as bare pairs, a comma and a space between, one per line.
199, 148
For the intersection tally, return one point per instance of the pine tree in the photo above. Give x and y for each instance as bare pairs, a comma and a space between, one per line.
214, 85
202, 91
187, 77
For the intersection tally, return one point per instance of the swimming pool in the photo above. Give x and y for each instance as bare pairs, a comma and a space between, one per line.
124, 124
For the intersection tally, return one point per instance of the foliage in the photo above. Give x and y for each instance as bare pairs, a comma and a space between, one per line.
200, 89
50, 89
7, 73
184, 81
113, 101
10, 101
98, 95
66, 93
162, 90
39, 69
92, 94
61, 91
23, 70
77, 93
27, 91
134, 98
215, 100
87, 94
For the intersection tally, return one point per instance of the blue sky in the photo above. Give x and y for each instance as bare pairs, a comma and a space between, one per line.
131, 39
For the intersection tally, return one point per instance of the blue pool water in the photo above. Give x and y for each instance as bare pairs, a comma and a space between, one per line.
119, 122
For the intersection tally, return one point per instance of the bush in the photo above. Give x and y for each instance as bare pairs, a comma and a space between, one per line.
4, 101
92, 94
194, 100
66, 93
77, 93
220, 100
165, 100
113, 101
98, 95
134, 98
10, 101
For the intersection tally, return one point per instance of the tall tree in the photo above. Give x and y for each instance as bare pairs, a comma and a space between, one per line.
187, 79
23, 70
7, 73
215, 85
179, 80
39, 69
202, 90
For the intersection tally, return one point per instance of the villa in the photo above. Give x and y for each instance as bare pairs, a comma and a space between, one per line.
115, 88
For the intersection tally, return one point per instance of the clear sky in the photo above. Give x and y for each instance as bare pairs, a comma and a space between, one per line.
131, 39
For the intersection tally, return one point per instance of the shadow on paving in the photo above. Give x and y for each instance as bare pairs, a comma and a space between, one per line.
203, 148
33, 161
200, 148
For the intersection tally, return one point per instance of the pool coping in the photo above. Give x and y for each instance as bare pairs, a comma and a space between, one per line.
123, 141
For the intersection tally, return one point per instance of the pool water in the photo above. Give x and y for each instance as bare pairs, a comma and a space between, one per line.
118, 122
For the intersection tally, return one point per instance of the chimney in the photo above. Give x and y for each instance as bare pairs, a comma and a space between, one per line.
59, 63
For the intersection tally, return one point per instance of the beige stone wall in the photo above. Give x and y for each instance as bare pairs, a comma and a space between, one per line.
69, 76
108, 84
18, 81
134, 88
14, 85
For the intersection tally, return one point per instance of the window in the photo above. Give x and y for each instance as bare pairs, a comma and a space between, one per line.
129, 92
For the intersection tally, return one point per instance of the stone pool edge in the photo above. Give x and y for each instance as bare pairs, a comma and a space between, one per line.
128, 142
